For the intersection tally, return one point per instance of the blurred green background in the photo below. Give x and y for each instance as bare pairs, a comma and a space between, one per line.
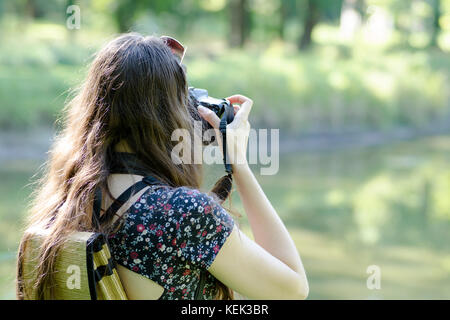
358, 88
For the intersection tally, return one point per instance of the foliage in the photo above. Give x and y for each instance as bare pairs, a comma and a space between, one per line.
336, 87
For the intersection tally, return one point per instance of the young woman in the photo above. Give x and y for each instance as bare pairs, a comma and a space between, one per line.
169, 233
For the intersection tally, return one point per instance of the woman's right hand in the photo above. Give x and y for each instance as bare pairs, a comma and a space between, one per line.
237, 131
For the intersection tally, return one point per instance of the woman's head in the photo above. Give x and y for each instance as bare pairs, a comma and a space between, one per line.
136, 92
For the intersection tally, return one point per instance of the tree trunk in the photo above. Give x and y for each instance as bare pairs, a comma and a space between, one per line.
283, 13
124, 15
436, 27
239, 22
31, 9
311, 19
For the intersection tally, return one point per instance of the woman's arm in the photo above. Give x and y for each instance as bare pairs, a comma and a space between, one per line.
268, 229
246, 267
270, 267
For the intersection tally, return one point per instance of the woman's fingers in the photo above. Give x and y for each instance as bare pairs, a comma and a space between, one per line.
237, 98
245, 109
209, 116
246, 105
241, 111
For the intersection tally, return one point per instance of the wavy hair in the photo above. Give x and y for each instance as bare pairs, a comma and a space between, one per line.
135, 91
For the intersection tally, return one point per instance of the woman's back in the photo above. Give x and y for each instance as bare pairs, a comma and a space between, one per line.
170, 236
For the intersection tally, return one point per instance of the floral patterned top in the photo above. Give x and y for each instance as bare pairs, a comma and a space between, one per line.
172, 235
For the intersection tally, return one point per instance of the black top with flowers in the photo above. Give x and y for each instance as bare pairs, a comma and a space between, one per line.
171, 236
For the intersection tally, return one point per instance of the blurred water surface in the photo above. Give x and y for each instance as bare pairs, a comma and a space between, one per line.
387, 206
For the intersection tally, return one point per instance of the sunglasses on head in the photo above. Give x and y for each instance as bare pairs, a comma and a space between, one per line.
175, 46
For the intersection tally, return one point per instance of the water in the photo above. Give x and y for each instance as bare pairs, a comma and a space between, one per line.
351, 211
387, 207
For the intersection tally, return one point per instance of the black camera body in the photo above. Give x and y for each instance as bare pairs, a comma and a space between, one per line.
202, 98
225, 111
221, 107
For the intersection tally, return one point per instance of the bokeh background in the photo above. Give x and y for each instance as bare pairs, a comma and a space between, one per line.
358, 88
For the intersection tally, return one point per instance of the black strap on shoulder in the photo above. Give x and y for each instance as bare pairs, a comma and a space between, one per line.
128, 164
121, 200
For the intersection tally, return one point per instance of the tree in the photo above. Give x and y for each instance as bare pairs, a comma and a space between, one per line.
283, 14
239, 20
124, 14
286, 10
31, 9
310, 21
436, 4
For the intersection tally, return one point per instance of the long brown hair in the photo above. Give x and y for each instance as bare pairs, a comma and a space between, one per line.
135, 91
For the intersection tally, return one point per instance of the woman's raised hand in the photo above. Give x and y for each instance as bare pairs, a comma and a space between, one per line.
237, 131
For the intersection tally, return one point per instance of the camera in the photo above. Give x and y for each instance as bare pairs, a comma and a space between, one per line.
201, 97
221, 107
225, 111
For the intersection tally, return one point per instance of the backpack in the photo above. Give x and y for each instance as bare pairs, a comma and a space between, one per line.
85, 269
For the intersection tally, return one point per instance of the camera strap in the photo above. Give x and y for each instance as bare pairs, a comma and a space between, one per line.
227, 118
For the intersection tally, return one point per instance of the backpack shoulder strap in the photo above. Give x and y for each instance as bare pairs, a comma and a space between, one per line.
121, 200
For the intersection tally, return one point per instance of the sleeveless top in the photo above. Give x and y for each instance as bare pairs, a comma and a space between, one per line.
171, 235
